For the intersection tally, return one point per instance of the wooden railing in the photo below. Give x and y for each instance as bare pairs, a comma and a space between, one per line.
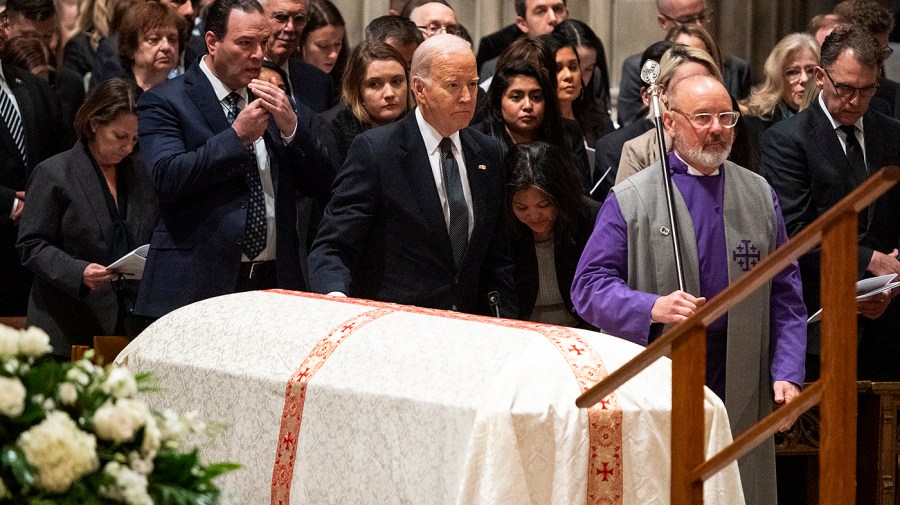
837, 231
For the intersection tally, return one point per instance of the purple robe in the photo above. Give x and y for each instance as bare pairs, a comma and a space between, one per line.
603, 298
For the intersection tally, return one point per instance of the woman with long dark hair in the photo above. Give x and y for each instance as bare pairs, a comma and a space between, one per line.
551, 222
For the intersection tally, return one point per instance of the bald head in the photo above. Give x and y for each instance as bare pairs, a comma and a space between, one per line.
432, 48
701, 122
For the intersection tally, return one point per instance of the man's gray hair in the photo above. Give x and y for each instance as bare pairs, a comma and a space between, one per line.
432, 48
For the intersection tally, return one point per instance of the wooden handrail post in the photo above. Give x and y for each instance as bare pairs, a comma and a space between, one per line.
837, 456
688, 422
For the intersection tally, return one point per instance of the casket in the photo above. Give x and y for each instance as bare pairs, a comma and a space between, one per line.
343, 401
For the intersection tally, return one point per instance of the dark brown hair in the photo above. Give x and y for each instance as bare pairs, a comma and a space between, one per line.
104, 104
141, 19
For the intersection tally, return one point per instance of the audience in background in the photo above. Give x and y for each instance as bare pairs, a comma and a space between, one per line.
430, 17
398, 32
323, 43
592, 55
590, 110
306, 84
150, 40
94, 21
672, 13
33, 55
789, 72
96, 206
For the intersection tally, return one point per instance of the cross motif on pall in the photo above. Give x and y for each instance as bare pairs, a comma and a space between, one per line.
304, 374
577, 350
604, 404
605, 471
747, 255
288, 440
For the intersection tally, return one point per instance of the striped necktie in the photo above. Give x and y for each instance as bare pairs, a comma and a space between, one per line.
459, 211
13, 122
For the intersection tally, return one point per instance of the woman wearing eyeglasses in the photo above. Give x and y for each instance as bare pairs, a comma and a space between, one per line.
789, 75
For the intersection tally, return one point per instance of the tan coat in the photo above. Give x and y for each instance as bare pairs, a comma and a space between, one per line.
639, 153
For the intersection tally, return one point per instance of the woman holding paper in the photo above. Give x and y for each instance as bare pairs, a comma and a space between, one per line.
89, 206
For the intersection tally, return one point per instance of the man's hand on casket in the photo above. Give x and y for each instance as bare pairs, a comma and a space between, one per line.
785, 392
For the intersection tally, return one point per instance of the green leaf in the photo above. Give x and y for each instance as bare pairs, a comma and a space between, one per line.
12, 457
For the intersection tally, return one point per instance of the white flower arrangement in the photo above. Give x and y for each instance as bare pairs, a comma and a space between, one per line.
72, 433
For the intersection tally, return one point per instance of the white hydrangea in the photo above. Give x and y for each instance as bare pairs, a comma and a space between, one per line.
119, 383
152, 438
120, 421
12, 397
9, 342
78, 376
174, 428
59, 451
141, 464
130, 487
34, 342
68, 393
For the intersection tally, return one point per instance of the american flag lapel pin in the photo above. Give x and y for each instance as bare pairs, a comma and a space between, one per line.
482, 167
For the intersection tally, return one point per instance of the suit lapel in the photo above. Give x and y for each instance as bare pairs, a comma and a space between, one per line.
201, 92
93, 195
827, 140
477, 174
417, 169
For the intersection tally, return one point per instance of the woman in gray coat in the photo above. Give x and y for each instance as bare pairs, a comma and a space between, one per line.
84, 209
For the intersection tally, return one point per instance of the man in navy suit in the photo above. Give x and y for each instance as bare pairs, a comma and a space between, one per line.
819, 156
417, 212
226, 191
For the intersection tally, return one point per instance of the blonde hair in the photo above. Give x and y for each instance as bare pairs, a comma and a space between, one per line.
678, 54
764, 100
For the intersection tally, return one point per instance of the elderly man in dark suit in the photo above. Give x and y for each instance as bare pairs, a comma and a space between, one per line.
416, 215
819, 156
226, 154
307, 84
31, 131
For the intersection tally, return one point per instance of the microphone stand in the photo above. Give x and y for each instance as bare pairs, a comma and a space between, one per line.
649, 73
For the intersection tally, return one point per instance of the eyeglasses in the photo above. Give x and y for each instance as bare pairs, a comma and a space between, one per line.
704, 120
846, 91
433, 29
794, 74
282, 18
704, 18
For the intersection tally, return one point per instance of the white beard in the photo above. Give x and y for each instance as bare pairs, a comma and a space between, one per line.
710, 156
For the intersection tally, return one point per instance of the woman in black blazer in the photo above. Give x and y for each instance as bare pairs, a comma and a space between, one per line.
86, 208
550, 224
374, 92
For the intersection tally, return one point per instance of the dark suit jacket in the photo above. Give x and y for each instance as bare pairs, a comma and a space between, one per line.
609, 152
736, 73
67, 231
887, 100
565, 256
336, 128
803, 160
46, 134
492, 44
106, 64
197, 164
384, 236
310, 86
78, 54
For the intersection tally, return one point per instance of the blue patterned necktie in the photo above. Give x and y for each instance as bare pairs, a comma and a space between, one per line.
10, 116
254, 239
459, 211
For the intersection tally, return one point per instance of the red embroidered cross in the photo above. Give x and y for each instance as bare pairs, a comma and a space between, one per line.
304, 374
604, 404
605, 471
576, 349
288, 440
